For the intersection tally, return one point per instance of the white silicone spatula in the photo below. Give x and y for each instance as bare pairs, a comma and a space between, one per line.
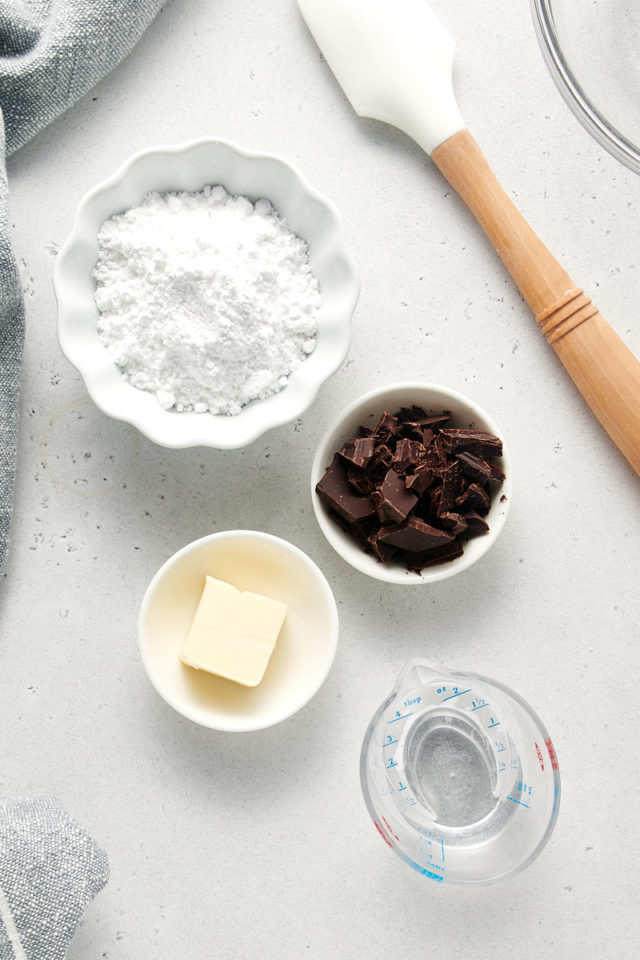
393, 59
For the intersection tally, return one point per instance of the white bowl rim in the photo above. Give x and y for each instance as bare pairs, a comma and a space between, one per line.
366, 563
282, 409
332, 645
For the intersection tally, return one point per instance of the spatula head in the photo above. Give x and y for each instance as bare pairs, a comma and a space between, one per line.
394, 61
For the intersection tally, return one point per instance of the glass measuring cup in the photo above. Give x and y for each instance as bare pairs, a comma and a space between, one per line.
459, 775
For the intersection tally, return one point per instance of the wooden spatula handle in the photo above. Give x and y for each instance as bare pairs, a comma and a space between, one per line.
604, 370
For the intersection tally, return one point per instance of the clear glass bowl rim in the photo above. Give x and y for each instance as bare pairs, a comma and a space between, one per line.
574, 95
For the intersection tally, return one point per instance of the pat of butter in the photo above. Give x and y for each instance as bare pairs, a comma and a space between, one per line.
233, 633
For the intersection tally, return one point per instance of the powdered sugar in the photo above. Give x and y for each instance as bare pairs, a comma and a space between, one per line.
205, 299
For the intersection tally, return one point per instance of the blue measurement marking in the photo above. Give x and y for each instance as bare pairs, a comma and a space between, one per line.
402, 786
392, 763
519, 801
479, 706
500, 749
389, 742
452, 696
427, 873
494, 723
400, 716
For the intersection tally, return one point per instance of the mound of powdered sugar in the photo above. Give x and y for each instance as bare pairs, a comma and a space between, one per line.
205, 299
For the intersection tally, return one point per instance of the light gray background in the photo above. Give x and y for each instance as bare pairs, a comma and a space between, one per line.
234, 847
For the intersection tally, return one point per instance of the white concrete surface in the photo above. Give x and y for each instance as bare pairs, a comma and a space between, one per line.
235, 847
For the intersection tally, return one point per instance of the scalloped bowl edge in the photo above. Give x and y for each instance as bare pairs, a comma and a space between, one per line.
190, 166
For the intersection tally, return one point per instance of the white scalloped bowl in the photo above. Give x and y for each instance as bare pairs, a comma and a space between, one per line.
190, 167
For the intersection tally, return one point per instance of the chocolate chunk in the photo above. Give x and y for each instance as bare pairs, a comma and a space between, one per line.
433, 505
360, 480
359, 451
441, 451
395, 501
432, 459
387, 426
436, 423
444, 554
336, 491
455, 523
474, 497
410, 415
416, 417
474, 466
420, 481
414, 535
478, 442
407, 453
475, 522
382, 551
452, 486
479, 469
380, 463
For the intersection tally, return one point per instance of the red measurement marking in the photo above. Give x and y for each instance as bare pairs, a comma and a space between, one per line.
538, 751
382, 834
552, 754
390, 829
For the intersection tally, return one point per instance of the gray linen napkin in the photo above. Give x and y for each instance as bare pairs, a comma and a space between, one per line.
50, 869
51, 53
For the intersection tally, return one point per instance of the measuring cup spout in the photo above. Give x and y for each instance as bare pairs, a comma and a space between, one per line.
417, 672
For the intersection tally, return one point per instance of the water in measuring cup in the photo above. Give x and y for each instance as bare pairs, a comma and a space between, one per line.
452, 771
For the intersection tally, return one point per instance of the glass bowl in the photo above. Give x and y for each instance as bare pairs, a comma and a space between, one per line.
592, 51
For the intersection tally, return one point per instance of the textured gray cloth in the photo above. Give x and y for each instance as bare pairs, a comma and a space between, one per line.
50, 870
51, 53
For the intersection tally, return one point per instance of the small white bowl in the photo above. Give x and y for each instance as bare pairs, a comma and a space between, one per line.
364, 412
304, 652
190, 167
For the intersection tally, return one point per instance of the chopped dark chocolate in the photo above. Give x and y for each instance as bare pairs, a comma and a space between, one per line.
395, 501
444, 554
387, 426
380, 463
420, 480
382, 551
452, 486
407, 454
359, 451
474, 466
474, 497
411, 488
417, 417
479, 469
475, 522
455, 523
360, 480
338, 494
479, 442
415, 535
